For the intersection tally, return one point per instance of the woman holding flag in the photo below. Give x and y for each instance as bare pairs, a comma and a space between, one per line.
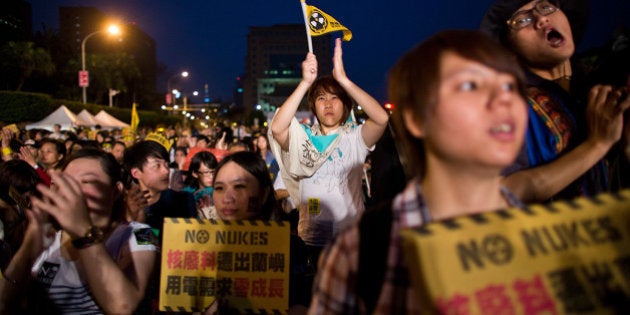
322, 164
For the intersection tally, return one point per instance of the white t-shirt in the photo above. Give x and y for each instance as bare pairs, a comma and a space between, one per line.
66, 281
333, 198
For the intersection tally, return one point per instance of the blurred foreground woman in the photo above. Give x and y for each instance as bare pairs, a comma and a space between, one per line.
97, 262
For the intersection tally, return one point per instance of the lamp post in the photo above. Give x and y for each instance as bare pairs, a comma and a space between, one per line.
169, 92
83, 76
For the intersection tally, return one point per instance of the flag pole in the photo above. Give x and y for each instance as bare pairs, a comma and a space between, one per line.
308, 30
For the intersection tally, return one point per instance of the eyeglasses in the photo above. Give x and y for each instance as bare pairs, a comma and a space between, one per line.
206, 173
525, 18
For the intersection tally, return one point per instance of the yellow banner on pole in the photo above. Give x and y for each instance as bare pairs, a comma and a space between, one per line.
135, 119
243, 262
320, 23
566, 257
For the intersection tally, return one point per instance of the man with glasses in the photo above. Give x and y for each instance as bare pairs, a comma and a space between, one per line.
569, 133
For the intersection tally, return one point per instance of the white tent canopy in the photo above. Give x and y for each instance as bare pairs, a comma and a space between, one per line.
107, 121
87, 118
62, 116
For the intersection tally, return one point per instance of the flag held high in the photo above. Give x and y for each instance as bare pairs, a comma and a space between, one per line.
319, 23
135, 120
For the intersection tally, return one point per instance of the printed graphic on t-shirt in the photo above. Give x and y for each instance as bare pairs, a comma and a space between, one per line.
47, 273
313, 206
146, 237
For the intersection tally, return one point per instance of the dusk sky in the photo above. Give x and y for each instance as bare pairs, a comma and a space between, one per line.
208, 37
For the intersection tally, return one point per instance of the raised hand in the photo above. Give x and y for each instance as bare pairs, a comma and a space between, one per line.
38, 232
26, 156
339, 73
605, 109
7, 135
136, 202
309, 69
221, 143
67, 204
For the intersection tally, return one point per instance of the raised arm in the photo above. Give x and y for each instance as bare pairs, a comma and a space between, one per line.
117, 286
377, 117
17, 274
605, 121
282, 120
7, 135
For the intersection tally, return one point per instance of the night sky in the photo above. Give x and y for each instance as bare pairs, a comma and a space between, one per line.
208, 37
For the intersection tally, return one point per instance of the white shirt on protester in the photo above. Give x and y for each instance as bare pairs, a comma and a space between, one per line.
336, 187
65, 280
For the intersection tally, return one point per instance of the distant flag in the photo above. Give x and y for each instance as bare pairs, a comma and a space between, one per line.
135, 120
317, 23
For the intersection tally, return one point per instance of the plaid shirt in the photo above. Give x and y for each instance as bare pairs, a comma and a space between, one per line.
334, 291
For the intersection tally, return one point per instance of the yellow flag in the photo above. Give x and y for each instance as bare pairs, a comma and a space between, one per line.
135, 120
321, 23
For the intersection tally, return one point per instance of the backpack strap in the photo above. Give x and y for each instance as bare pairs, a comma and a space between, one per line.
375, 228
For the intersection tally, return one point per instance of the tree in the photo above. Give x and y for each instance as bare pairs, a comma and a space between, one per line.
116, 71
25, 59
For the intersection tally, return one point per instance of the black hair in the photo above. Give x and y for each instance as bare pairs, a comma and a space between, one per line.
201, 157
204, 138
414, 82
19, 175
110, 167
59, 146
494, 21
138, 154
256, 166
329, 84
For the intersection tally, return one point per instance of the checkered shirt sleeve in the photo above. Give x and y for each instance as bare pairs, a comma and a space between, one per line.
334, 288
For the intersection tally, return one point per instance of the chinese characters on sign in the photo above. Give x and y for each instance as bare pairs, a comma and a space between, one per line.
246, 263
556, 259
84, 78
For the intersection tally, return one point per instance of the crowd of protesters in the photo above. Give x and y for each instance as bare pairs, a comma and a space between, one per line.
485, 120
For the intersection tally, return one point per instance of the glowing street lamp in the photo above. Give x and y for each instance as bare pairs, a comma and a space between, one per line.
170, 92
83, 75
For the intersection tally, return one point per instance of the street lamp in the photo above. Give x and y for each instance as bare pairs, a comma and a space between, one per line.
83, 76
169, 92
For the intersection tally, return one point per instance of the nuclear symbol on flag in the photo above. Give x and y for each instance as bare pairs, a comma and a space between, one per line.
317, 22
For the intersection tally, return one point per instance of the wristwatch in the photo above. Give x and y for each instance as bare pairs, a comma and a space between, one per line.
94, 235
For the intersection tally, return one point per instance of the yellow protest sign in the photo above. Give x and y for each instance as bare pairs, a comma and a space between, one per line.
13, 128
566, 257
244, 262
92, 134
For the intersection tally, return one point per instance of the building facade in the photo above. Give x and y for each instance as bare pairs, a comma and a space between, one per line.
273, 66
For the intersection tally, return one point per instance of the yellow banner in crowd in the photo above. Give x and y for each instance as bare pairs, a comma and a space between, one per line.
567, 257
135, 119
320, 23
245, 262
